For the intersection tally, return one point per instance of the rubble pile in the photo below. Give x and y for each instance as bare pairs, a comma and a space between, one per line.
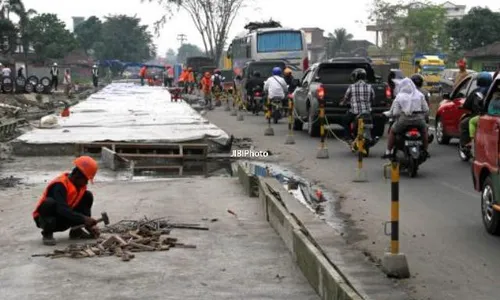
126, 237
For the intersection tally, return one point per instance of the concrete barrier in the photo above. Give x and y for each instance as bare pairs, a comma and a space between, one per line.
319, 271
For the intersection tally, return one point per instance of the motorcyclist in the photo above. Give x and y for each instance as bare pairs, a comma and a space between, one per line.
410, 108
252, 84
275, 86
360, 96
474, 104
289, 80
217, 80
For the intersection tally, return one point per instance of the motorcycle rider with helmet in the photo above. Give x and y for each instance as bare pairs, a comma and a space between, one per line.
275, 86
360, 96
289, 80
217, 81
254, 83
474, 104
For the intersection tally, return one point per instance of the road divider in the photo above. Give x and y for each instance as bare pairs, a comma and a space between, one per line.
269, 114
322, 151
359, 146
290, 140
394, 263
323, 276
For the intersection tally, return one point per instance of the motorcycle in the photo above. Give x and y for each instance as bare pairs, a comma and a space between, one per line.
256, 100
368, 140
408, 149
277, 107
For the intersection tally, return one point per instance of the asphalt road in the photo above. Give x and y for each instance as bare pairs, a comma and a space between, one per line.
450, 255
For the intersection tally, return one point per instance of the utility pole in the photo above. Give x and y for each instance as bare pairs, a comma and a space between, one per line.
181, 38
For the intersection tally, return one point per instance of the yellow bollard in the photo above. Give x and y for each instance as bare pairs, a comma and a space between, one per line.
289, 138
322, 151
269, 113
395, 263
235, 101
360, 148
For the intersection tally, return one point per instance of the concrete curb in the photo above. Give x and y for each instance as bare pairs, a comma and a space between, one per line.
321, 274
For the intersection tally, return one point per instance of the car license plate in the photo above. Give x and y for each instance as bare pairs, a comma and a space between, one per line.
258, 98
413, 143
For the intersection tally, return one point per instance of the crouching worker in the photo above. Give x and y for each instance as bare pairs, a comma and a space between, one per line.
66, 202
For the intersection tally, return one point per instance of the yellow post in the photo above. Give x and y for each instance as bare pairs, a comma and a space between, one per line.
395, 263
322, 151
269, 113
289, 138
359, 144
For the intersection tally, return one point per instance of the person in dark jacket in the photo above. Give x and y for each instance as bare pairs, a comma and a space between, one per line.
54, 73
66, 202
474, 105
289, 80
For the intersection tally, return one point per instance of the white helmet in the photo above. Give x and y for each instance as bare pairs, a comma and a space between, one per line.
1, 64
94, 66
55, 64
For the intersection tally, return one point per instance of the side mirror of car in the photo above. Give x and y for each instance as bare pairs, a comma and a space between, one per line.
446, 96
479, 96
304, 84
296, 82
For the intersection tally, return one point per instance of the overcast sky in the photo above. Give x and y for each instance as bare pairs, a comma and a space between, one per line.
293, 13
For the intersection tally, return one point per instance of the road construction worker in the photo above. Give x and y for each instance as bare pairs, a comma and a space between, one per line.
462, 66
190, 80
142, 74
206, 86
169, 76
95, 75
66, 203
68, 84
20, 72
6, 71
183, 79
54, 73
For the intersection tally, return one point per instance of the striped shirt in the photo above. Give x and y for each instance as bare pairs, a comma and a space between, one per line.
360, 95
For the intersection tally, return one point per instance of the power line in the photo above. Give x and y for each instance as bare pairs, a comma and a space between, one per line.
182, 38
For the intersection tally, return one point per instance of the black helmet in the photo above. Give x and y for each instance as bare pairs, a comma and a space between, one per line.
358, 74
418, 80
256, 74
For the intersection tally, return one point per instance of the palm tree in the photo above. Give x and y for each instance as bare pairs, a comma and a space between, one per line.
17, 7
338, 40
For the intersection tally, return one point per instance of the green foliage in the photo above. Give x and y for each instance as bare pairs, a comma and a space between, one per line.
188, 50
338, 41
125, 39
88, 33
479, 27
49, 36
425, 28
8, 36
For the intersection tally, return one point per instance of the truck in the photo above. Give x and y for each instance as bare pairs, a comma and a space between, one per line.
197, 62
430, 66
330, 80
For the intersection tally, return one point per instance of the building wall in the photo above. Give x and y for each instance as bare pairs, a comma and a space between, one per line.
484, 63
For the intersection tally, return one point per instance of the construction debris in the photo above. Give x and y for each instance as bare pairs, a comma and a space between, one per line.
127, 237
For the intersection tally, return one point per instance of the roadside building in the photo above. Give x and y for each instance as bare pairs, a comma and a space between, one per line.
316, 46
485, 58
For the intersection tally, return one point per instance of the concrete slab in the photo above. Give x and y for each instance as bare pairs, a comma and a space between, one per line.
238, 258
126, 112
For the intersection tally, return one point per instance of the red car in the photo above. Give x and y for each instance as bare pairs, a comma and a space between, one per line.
485, 168
449, 112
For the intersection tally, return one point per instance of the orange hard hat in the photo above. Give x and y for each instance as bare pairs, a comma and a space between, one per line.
287, 71
87, 165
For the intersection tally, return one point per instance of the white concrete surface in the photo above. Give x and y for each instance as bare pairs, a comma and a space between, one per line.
129, 112
238, 258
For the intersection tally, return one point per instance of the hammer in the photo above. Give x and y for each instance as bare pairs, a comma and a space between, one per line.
104, 218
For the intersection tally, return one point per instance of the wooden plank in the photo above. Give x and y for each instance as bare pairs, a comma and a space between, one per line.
157, 167
143, 145
143, 155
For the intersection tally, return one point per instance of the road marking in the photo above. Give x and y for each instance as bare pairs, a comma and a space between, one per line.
456, 188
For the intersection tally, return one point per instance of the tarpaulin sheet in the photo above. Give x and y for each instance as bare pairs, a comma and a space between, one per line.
123, 112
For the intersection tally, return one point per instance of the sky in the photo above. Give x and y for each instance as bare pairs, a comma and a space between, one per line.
291, 13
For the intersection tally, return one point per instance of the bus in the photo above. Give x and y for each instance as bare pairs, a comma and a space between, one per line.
286, 44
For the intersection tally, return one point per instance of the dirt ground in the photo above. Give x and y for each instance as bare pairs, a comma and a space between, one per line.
238, 258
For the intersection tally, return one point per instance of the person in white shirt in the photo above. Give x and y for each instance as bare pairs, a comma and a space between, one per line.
275, 86
67, 82
6, 72
410, 109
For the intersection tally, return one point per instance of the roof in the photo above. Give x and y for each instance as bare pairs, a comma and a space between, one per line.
453, 4
308, 29
488, 50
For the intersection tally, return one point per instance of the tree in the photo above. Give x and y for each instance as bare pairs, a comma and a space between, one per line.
17, 7
187, 50
171, 56
213, 20
8, 36
49, 36
88, 33
125, 39
479, 27
338, 40
385, 16
424, 28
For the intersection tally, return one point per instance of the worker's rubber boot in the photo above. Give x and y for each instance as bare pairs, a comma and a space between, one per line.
48, 239
80, 234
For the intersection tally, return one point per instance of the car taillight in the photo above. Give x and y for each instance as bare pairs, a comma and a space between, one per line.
290, 96
257, 94
320, 92
305, 64
388, 92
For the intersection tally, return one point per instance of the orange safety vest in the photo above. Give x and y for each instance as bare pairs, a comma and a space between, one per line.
73, 196
206, 83
190, 77
142, 72
183, 76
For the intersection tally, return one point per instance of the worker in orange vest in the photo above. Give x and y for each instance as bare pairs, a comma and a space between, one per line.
183, 78
190, 80
142, 74
206, 87
66, 202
